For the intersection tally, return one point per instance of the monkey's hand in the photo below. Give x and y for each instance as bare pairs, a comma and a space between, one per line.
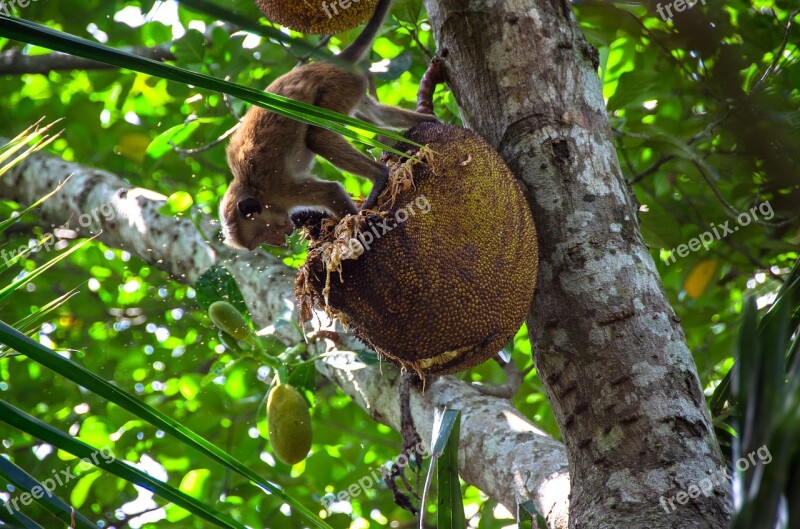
310, 220
377, 188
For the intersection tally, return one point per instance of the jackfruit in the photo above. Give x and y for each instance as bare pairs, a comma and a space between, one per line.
441, 276
289, 424
318, 17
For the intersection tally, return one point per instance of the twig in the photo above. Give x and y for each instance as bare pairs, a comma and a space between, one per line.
127, 520
323, 42
779, 55
650, 170
731, 208
666, 158
514, 379
207, 147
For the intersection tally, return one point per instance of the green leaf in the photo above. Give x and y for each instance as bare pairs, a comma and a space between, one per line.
90, 381
444, 424
236, 383
30, 425
788, 298
450, 509
176, 135
30, 32
8, 290
196, 483
529, 517
27, 483
637, 86
16, 518
179, 201
191, 48
397, 67
217, 284
81, 490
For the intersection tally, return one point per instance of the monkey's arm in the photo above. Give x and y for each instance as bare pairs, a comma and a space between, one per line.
336, 150
388, 116
330, 195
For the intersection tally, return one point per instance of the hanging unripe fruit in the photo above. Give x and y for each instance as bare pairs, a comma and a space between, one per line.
228, 319
317, 17
289, 424
442, 279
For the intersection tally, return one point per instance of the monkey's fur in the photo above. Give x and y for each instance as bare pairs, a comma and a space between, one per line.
270, 156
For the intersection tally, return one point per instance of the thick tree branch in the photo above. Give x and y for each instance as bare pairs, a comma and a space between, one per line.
14, 62
502, 453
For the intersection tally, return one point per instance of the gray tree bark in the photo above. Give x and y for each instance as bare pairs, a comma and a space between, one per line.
608, 347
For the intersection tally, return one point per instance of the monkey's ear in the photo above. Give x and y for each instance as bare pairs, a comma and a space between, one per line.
249, 206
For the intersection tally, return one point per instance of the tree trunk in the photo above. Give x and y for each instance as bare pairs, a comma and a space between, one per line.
608, 347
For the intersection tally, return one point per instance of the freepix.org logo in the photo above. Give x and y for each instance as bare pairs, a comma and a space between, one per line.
52, 241
60, 478
332, 10
665, 11
10, 7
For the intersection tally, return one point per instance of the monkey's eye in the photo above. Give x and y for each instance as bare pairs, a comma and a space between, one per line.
249, 206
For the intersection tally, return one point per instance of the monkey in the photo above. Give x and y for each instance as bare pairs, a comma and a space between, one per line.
312, 220
270, 155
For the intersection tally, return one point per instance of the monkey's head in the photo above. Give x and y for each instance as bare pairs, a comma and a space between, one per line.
251, 211
248, 222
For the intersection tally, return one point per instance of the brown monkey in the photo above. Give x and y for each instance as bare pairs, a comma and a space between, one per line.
270, 155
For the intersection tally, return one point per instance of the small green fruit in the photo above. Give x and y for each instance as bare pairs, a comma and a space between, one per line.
289, 424
227, 318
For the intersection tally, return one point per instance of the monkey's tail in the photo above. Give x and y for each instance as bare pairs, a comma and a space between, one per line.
356, 51
433, 77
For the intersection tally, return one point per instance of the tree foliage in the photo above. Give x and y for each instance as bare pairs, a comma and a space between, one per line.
706, 111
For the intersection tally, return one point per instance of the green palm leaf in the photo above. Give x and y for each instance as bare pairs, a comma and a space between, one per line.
30, 425
9, 158
27, 483
90, 381
8, 290
30, 323
16, 518
32, 33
